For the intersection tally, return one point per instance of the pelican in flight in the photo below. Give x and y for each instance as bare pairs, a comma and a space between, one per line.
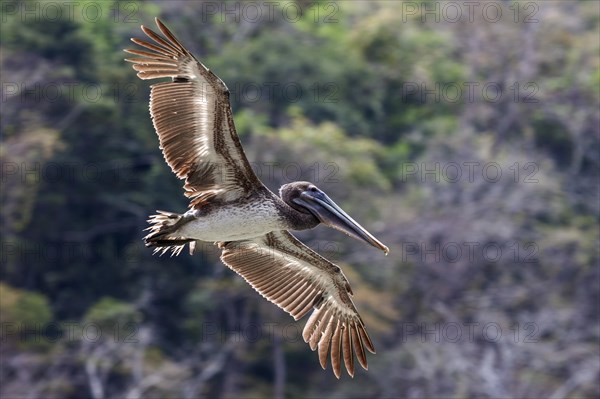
230, 206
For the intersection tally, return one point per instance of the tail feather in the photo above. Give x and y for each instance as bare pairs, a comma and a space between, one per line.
163, 234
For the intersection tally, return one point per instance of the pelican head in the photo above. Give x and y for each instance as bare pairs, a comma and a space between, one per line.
307, 198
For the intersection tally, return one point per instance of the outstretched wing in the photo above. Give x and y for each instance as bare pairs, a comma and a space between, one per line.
193, 119
296, 279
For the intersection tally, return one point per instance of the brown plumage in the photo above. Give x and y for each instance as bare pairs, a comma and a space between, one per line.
214, 166
192, 116
295, 278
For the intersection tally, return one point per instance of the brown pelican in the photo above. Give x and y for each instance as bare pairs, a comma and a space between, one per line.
231, 207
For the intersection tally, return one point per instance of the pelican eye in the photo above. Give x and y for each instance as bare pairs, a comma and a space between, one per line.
313, 189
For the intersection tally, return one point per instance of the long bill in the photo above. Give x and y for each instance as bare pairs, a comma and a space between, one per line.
330, 214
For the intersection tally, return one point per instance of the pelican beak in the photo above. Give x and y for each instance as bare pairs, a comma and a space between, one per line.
330, 214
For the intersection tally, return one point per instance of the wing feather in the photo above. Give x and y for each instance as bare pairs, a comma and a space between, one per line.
347, 350
193, 119
297, 279
336, 341
324, 343
359, 347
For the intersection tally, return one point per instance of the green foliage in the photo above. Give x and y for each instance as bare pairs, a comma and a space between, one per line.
268, 82
23, 307
34, 147
23, 317
355, 159
58, 41
111, 311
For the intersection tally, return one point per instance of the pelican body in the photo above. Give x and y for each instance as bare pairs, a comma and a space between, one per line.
231, 207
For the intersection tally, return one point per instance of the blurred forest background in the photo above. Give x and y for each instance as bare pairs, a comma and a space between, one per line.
466, 139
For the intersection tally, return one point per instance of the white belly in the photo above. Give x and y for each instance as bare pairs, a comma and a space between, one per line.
232, 223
